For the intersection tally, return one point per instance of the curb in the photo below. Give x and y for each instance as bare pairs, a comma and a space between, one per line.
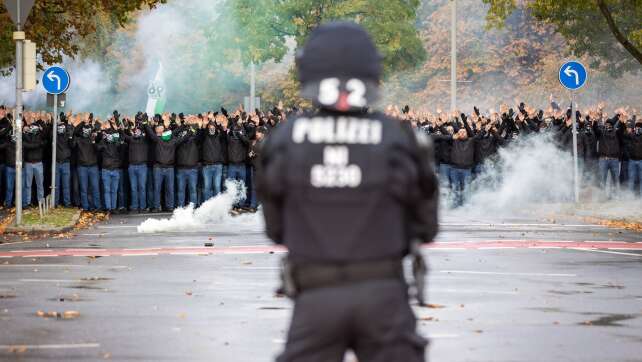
43, 228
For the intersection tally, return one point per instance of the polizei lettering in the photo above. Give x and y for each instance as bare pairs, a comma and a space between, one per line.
347, 130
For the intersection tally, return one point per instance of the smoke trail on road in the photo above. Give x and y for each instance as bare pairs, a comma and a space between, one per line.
213, 215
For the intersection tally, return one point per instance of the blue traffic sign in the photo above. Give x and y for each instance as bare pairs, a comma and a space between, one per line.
55, 80
573, 75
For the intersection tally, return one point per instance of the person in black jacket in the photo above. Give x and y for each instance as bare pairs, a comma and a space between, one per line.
33, 142
8, 148
214, 155
64, 136
347, 208
462, 161
238, 143
165, 143
609, 138
253, 156
109, 147
633, 141
138, 152
187, 157
84, 142
5, 134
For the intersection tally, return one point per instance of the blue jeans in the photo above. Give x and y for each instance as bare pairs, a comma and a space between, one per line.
122, 177
150, 186
33, 170
252, 191
10, 182
212, 177
138, 186
461, 178
236, 172
88, 176
606, 166
444, 174
164, 175
63, 183
635, 174
187, 177
110, 187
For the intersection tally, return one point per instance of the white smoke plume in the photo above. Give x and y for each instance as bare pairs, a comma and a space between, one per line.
534, 177
212, 215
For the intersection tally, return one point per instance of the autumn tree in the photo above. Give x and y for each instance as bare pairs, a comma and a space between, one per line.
609, 31
57, 27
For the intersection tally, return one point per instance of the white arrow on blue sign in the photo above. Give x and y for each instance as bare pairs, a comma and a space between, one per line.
573, 75
55, 80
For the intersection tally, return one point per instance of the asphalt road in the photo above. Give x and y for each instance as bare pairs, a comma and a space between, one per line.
507, 289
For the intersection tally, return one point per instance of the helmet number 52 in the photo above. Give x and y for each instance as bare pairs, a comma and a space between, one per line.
329, 92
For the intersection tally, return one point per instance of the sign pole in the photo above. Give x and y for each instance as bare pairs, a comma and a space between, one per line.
19, 36
576, 186
53, 152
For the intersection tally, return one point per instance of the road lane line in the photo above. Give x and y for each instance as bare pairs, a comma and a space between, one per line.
609, 252
506, 273
49, 346
472, 291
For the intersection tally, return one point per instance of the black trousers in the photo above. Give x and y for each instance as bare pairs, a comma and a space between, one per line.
372, 318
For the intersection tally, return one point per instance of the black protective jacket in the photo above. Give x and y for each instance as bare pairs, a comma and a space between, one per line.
345, 198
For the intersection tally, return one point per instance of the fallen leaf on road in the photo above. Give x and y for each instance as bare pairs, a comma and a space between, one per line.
247, 263
430, 305
426, 318
182, 315
17, 349
188, 293
71, 314
107, 356
479, 331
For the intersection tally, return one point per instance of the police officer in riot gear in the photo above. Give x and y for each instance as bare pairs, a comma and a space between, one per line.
347, 193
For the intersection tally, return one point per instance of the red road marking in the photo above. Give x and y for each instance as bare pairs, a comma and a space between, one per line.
262, 249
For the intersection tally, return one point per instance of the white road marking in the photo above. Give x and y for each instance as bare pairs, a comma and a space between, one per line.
609, 252
496, 247
506, 273
61, 266
50, 346
522, 224
472, 291
139, 254
442, 335
50, 280
116, 227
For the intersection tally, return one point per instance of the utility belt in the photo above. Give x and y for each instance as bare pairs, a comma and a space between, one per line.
300, 278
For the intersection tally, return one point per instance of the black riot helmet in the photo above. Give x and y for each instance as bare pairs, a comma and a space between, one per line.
339, 67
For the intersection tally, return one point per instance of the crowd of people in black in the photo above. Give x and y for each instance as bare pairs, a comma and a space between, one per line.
467, 144
141, 164
135, 163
